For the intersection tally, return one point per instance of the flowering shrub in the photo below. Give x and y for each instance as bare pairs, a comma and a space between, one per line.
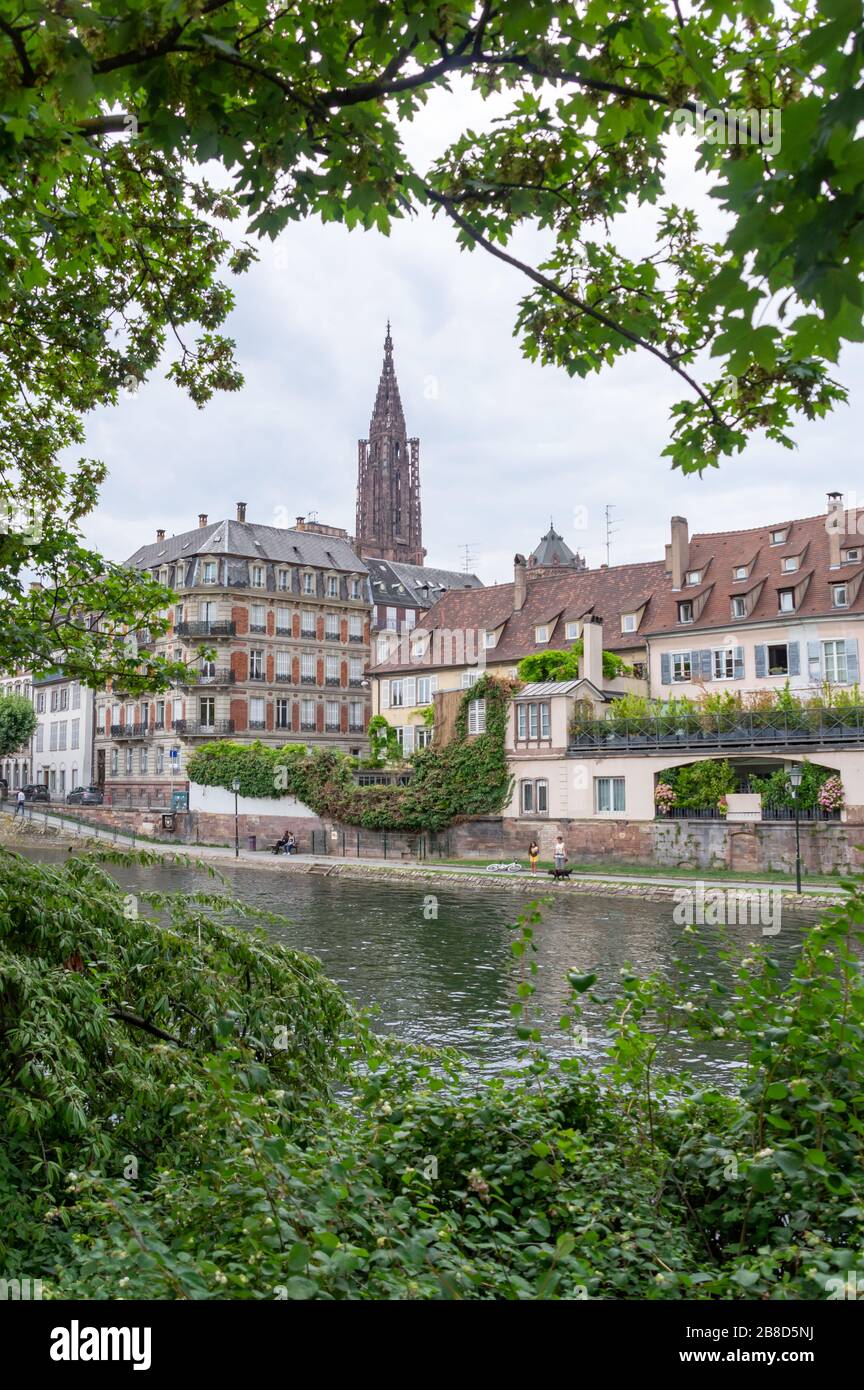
830, 796
722, 805
665, 797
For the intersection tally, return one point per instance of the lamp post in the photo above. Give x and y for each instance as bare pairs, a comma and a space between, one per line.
795, 780
235, 787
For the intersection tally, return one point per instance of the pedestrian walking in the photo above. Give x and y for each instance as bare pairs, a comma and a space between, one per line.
533, 855
560, 853
19, 803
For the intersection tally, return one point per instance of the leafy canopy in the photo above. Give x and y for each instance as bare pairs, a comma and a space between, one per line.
114, 245
17, 723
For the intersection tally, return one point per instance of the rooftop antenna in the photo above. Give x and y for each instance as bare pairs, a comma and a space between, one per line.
468, 556
610, 530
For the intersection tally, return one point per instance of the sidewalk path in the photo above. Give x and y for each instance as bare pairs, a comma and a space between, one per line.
631, 884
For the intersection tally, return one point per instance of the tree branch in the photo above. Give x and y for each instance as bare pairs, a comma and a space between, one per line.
553, 287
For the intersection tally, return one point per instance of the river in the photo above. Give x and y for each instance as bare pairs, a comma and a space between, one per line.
435, 962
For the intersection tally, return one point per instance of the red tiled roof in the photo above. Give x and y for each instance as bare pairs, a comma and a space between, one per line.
717, 555
558, 599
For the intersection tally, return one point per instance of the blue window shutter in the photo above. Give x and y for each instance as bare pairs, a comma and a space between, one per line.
794, 659
705, 661
762, 660
665, 669
738, 663
852, 660
814, 660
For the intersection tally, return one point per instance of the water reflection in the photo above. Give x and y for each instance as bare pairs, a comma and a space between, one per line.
451, 980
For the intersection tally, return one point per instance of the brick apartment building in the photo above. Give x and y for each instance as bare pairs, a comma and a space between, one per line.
284, 615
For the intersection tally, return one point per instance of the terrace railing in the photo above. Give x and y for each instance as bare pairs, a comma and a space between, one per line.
702, 731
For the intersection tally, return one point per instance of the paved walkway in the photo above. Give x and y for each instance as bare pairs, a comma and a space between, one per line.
262, 858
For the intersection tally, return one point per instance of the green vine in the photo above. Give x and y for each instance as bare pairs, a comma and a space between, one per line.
469, 776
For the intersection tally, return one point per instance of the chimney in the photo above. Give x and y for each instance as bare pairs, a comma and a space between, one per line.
241, 511
202, 518
592, 652
680, 550
520, 583
160, 535
835, 525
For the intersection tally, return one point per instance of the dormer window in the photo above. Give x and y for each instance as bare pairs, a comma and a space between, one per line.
685, 612
629, 622
571, 631
308, 584
851, 556
779, 537
740, 572
790, 563
491, 639
739, 607
284, 579
258, 576
693, 577
541, 634
787, 600
209, 572
332, 586
355, 588
840, 595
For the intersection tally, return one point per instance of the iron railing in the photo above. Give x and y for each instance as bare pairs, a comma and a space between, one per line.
744, 729
194, 729
221, 676
218, 628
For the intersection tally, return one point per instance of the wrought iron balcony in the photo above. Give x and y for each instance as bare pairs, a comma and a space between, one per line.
704, 732
223, 627
332, 680
223, 675
257, 724
307, 632
191, 728
307, 728
355, 729
308, 680
257, 627
123, 731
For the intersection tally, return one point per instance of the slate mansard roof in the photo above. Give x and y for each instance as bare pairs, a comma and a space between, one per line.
248, 540
399, 584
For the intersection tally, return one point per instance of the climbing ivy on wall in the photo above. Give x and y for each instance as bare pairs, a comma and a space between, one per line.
467, 777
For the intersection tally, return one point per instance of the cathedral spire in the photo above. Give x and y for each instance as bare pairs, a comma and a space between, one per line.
388, 477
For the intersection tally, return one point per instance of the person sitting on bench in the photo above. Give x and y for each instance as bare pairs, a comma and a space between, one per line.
290, 843
282, 845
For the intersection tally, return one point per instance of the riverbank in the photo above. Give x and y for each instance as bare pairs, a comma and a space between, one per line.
585, 881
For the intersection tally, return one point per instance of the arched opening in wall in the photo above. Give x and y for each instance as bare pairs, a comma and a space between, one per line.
700, 790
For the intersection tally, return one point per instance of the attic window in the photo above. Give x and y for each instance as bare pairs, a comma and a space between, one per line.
779, 537
685, 612
839, 596
739, 572
790, 563
739, 607
571, 631
541, 633
628, 622
693, 577
848, 556
787, 600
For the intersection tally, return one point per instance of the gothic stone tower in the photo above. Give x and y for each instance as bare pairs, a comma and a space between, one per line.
388, 478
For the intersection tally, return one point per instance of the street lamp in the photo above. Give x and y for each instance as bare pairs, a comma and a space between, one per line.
795, 780
235, 787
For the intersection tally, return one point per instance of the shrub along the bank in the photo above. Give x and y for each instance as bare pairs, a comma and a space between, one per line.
467, 777
170, 1127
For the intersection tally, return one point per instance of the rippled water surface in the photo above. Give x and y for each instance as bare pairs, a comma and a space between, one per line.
452, 980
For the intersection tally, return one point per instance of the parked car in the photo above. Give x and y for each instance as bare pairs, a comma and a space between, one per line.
85, 796
36, 791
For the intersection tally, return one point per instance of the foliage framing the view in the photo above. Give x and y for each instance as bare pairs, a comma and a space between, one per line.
469, 776
173, 1149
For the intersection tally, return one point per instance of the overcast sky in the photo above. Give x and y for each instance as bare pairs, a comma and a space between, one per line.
504, 444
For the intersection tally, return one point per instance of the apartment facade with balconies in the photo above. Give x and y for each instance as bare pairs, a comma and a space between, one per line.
273, 624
